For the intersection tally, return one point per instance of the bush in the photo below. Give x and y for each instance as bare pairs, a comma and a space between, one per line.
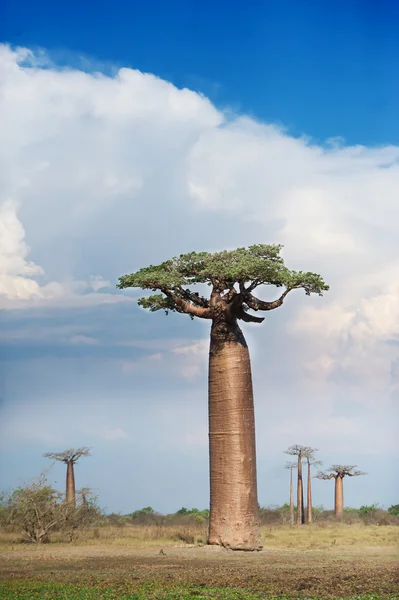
365, 511
38, 510
394, 510
202, 515
185, 537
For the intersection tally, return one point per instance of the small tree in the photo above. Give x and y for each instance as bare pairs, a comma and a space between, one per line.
233, 277
309, 454
290, 466
70, 458
85, 512
38, 509
338, 472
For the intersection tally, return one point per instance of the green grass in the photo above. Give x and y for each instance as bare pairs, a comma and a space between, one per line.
29, 590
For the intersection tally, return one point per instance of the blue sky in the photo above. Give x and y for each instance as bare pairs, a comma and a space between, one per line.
210, 127
322, 68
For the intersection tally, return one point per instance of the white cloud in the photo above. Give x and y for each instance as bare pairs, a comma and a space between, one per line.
73, 148
18, 286
83, 339
15, 271
109, 174
112, 434
195, 358
188, 360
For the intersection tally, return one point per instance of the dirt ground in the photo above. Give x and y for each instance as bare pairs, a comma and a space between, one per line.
334, 573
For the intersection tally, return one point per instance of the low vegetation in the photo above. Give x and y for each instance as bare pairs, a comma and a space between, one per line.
51, 547
35, 591
38, 514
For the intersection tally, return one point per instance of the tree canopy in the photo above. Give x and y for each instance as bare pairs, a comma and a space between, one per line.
71, 455
233, 275
298, 450
340, 471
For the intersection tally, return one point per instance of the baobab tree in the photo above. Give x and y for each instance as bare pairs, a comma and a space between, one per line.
309, 454
233, 276
70, 458
290, 466
338, 472
300, 452
84, 493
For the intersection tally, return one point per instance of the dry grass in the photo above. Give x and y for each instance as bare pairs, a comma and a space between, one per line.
322, 536
317, 536
319, 561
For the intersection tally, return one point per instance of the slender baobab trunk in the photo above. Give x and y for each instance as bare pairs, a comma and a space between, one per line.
70, 484
339, 496
301, 511
309, 500
234, 509
292, 516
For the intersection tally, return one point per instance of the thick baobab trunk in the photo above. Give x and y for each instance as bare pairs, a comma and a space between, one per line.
301, 512
309, 499
292, 516
70, 484
234, 509
339, 496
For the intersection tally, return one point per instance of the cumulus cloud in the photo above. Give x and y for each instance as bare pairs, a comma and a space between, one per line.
101, 175
74, 148
194, 356
19, 287
15, 271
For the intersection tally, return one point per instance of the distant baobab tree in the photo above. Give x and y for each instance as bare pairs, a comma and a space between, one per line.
338, 472
290, 466
309, 454
84, 493
233, 276
299, 451
70, 458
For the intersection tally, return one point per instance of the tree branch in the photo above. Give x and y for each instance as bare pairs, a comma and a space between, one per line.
321, 475
247, 318
186, 307
231, 293
257, 304
193, 297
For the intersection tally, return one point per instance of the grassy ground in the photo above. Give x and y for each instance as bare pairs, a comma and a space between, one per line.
145, 592
317, 536
309, 562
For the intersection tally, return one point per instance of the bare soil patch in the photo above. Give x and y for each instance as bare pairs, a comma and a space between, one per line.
318, 574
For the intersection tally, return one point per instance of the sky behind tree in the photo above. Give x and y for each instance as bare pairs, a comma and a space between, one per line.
132, 132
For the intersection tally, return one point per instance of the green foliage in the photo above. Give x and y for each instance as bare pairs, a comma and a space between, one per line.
368, 510
257, 265
394, 510
318, 513
147, 510
4, 509
143, 514
192, 511
32, 590
199, 515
